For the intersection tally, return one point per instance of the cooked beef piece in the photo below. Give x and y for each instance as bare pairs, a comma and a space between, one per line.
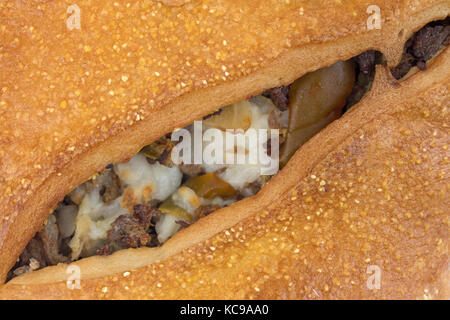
191, 170
279, 97
146, 214
429, 40
131, 231
423, 46
365, 73
366, 61
159, 151
105, 251
127, 232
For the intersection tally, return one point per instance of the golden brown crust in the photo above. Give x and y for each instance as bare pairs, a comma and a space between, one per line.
370, 189
63, 115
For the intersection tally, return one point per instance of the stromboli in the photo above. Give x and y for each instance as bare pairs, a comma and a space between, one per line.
262, 86
144, 201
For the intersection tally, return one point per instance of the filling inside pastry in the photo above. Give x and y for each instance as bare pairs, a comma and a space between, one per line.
146, 200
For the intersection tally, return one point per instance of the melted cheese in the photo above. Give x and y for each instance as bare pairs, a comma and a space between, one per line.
149, 181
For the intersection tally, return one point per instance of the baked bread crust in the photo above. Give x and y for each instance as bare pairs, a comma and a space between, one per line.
353, 196
37, 170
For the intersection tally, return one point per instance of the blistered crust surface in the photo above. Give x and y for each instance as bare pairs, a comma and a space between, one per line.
64, 92
374, 196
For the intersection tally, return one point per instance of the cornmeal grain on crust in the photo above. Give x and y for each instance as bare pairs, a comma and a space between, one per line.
72, 101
